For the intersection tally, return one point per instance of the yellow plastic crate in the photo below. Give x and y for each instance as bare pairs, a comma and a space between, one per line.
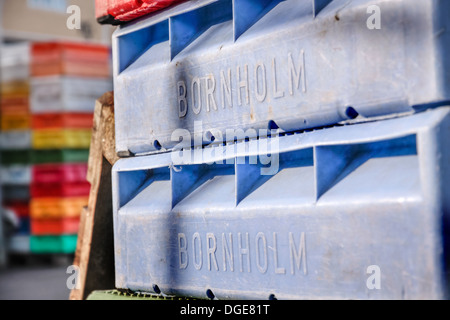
15, 122
61, 138
53, 208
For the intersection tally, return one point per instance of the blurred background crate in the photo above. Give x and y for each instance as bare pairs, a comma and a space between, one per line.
15, 169
66, 79
53, 244
73, 59
50, 77
55, 208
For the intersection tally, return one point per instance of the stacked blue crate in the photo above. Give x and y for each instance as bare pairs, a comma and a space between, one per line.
284, 149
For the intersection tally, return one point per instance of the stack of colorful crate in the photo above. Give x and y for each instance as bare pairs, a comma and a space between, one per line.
67, 78
15, 170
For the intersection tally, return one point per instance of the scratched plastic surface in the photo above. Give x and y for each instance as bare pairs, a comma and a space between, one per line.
331, 203
294, 64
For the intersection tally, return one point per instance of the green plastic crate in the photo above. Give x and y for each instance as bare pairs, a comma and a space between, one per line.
61, 155
10, 157
53, 244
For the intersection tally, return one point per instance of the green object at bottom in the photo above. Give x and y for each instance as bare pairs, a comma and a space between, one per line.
53, 244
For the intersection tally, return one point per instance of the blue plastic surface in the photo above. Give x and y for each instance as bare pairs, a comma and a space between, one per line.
308, 215
293, 64
24, 226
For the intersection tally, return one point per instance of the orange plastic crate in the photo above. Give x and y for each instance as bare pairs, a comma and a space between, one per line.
40, 227
16, 89
62, 120
54, 208
14, 121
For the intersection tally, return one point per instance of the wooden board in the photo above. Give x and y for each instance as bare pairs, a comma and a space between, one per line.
95, 248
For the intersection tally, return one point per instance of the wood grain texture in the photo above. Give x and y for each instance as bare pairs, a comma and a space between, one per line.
95, 248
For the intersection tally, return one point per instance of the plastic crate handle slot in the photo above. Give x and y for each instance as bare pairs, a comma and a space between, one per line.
181, 29
335, 163
133, 45
185, 28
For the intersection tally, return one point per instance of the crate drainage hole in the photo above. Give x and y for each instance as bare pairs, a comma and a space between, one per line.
210, 137
157, 145
351, 113
210, 294
156, 289
272, 125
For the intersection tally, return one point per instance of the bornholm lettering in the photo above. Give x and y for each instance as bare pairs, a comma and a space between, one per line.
215, 91
225, 251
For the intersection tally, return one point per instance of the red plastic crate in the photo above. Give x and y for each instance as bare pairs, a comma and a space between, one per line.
116, 11
62, 120
67, 58
40, 227
59, 173
101, 8
20, 208
67, 189
50, 51
14, 105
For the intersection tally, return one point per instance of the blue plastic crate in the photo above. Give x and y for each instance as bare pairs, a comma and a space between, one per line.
293, 64
24, 226
331, 213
